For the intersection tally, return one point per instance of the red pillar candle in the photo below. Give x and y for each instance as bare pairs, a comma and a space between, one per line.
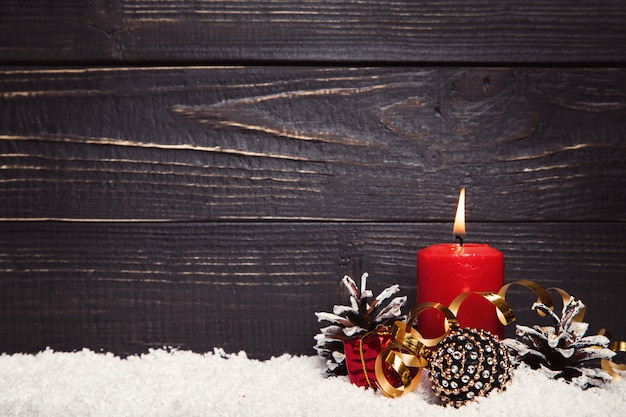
449, 269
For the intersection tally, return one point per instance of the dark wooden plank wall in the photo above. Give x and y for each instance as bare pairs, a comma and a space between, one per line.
200, 174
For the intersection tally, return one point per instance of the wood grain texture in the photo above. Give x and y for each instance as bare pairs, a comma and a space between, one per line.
292, 143
125, 288
480, 31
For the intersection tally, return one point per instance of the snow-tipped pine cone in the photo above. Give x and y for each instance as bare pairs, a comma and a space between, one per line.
364, 313
562, 351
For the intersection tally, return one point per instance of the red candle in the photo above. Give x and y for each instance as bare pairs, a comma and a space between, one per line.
448, 269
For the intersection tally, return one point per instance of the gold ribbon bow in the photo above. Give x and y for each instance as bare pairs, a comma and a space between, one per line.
409, 351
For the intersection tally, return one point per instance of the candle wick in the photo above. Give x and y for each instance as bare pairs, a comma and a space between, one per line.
460, 239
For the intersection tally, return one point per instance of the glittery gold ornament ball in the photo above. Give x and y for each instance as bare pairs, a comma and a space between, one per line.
466, 364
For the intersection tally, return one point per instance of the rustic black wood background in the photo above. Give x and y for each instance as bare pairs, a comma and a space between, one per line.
201, 174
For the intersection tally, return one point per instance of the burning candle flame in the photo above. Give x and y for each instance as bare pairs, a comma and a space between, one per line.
459, 220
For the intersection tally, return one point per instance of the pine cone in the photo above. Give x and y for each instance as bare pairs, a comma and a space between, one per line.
562, 351
362, 315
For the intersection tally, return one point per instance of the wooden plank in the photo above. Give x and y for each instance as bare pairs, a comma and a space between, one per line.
253, 143
531, 31
255, 286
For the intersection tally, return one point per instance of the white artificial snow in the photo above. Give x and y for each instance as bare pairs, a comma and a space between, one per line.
181, 383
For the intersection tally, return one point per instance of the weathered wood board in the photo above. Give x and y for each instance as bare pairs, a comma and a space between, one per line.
376, 144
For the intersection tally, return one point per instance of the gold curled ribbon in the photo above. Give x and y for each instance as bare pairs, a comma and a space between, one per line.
503, 309
450, 321
409, 351
542, 294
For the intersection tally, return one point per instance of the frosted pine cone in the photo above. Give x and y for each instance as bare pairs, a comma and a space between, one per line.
562, 351
362, 315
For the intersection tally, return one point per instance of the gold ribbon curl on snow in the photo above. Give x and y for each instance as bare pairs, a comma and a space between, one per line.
409, 351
